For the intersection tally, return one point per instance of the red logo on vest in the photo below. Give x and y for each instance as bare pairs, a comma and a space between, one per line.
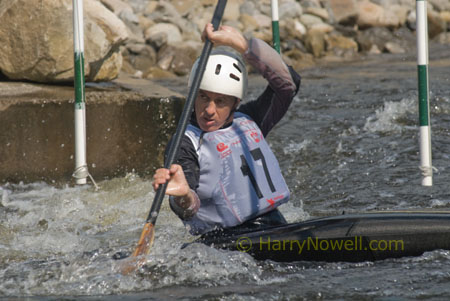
221, 147
254, 135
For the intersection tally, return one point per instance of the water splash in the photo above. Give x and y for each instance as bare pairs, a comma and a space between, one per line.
392, 117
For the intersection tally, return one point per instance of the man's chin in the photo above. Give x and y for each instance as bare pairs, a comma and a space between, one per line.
208, 128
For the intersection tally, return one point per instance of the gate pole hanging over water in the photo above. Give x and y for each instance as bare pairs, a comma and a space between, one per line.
424, 106
275, 26
81, 171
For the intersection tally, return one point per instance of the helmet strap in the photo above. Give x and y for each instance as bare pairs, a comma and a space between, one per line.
236, 103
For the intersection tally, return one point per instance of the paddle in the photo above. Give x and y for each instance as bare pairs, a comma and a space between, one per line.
146, 240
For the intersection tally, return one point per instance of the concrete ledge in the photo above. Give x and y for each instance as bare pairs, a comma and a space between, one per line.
128, 125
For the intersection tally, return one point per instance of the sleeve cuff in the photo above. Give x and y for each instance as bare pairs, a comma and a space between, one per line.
188, 213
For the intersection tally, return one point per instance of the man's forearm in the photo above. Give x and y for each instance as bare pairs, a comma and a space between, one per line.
187, 206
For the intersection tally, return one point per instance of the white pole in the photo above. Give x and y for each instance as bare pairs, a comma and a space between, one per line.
275, 26
423, 86
81, 171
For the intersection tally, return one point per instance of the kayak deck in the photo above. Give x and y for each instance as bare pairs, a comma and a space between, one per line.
351, 238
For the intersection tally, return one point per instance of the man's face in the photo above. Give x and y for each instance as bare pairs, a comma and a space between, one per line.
212, 110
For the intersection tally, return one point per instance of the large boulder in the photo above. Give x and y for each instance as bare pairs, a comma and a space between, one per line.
45, 54
373, 15
343, 11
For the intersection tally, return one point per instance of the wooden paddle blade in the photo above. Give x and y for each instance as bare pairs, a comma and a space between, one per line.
146, 241
131, 264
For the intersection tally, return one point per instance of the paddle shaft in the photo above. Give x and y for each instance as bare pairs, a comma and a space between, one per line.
182, 124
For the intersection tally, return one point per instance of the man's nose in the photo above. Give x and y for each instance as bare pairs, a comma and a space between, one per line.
210, 108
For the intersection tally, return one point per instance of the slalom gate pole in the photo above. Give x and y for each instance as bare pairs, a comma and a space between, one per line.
423, 87
81, 171
275, 26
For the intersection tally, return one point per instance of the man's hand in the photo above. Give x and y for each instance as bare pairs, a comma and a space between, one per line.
226, 36
177, 184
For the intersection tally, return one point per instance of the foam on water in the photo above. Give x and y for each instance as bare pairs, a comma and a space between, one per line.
389, 118
60, 241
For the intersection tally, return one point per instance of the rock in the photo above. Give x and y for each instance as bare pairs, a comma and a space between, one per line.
138, 74
445, 15
116, 6
374, 49
158, 73
443, 38
178, 59
265, 7
387, 4
319, 12
405, 38
129, 17
411, 20
315, 42
145, 23
310, 3
170, 31
104, 34
393, 47
183, 7
343, 11
323, 27
157, 40
110, 66
248, 8
440, 5
292, 29
232, 12
136, 48
310, 20
127, 66
373, 15
401, 12
248, 22
143, 60
299, 27
341, 46
265, 35
436, 24
289, 9
294, 44
208, 2
45, 54
263, 20
139, 5
339, 41
298, 59
378, 36
150, 7
347, 31
234, 23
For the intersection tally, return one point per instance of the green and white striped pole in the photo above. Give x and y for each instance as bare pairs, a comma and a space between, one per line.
424, 106
81, 172
275, 26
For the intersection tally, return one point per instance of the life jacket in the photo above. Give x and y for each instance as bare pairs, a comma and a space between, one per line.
240, 177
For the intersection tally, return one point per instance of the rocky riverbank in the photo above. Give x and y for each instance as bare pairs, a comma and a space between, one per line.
160, 39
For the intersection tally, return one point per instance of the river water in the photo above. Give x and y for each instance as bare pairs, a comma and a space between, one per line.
348, 143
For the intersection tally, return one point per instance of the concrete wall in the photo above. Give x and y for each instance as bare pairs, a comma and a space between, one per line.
127, 130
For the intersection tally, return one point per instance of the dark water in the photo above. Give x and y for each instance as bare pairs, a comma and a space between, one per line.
349, 143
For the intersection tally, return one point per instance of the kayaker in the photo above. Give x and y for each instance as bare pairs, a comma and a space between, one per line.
226, 176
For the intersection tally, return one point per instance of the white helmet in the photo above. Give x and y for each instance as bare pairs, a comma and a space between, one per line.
225, 73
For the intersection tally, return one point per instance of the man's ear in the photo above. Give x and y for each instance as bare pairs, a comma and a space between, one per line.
237, 101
